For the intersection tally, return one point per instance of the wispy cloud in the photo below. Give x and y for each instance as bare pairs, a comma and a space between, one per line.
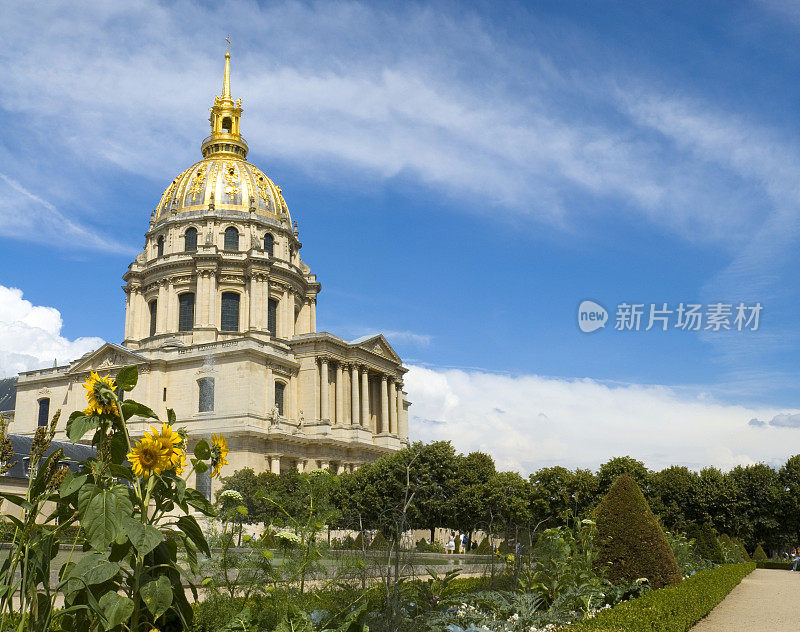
26, 216
456, 114
784, 420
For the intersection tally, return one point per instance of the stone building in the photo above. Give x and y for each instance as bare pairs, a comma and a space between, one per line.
220, 318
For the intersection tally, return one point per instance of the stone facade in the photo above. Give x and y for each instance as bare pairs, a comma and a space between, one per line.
220, 319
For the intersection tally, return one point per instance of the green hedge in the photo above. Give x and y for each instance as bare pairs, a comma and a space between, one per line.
775, 565
675, 608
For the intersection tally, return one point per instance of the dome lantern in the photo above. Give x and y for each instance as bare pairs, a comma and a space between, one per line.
226, 138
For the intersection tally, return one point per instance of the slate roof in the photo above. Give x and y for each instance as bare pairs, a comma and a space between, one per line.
8, 393
74, 453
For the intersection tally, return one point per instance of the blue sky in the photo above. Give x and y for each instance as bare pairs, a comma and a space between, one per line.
464, 175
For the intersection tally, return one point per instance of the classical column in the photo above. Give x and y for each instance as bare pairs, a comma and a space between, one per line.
269, 400
128, 318
339, 394
364, 397
161, 306
384, 428
323, 389
254, 303
212, 298
285, 312
324, 465
354, 408
172, 307
402, 421
313, 316
275, 464
301, 465
392, 407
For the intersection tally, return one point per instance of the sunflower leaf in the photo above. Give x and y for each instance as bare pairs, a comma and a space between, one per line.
127, 378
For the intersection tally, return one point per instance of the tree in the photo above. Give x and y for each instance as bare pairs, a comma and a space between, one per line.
674, 497
789, 481
469, 506
558, 493
611, 470
507, 504
759, 494
631, 542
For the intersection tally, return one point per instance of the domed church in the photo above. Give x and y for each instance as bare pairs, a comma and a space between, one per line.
220, 319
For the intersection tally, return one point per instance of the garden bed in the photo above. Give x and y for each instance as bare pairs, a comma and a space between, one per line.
672, 609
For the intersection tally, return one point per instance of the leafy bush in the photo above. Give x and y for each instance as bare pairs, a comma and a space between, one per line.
733, 550
631, 543
685, 554
378, 543
759, 554
706, 543
485, 547
672, 609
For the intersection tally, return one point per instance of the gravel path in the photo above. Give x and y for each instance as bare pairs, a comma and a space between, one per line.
765, 601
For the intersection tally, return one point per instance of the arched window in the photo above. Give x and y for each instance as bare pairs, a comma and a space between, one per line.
230, 311
190, 240
272, 317
153, 305
186, 311
231, 238
280, 388
160, 246
226, 125
44, 411
269, 244
205, 400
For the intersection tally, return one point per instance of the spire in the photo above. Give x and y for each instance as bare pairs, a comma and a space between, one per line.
226, 82
225, 139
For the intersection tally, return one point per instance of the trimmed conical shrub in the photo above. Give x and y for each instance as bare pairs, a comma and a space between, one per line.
379, 542
631, 542
759, 554
706, 544
484, 548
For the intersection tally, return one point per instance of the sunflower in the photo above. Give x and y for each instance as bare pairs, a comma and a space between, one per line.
170, 441
219, 450
148, 456
100, 395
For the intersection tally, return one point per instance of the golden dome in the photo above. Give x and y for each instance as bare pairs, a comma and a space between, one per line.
224, 180
223, 183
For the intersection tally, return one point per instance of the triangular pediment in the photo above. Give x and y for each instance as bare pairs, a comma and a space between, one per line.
378, 345
109, 357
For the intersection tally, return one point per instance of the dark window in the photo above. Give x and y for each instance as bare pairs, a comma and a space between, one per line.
280, 387
272, 316
153, 316
205, 402
231, 238
269, 244
165, 393
190, 240
186, 311
203, 484
230, 311
226, 125
44, 411
160, 246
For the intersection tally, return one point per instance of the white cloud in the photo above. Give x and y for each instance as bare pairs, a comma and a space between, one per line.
30, 335
528, 421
